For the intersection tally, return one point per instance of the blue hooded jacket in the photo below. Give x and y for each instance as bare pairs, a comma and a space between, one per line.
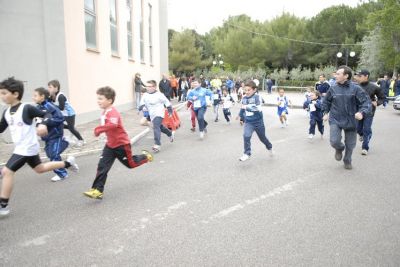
55, 125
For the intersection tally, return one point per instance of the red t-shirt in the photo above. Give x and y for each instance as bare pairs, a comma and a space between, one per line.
111, 125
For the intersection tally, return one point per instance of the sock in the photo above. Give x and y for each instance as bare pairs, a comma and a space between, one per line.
3, 202
67, 164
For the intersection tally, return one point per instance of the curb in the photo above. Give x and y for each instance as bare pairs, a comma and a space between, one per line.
134, 140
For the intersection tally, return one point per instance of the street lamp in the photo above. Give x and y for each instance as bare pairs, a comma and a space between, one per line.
351, 54
218, 61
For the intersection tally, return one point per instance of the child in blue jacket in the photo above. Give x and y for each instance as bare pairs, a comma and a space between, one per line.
313, 105
54, 140
252, 117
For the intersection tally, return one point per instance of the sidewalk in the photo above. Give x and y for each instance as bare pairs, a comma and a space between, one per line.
130, 120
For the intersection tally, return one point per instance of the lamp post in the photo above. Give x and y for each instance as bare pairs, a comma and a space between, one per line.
347, 54
218, 61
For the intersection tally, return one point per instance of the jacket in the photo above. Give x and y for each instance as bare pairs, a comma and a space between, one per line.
343, 101
138, 84
55, 125
198, 97
375, 93
252, 113
315, 109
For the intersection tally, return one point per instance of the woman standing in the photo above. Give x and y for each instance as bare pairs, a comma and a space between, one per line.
138, 89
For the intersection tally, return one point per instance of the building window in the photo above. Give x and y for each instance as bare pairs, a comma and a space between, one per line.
129, 27
150, 35
90, 24
113, 27
142, 31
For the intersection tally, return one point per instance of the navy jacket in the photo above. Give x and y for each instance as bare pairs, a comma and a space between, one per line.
55, 125
252, 113
342, 101
317, 114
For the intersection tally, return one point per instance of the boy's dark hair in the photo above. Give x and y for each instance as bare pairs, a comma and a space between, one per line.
251, 84
107, 92
43, 91
281, 89
12, 85
55, 84
346, 70
322, 75
153, 82
203, 84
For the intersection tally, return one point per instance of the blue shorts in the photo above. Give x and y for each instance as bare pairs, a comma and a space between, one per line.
281, 110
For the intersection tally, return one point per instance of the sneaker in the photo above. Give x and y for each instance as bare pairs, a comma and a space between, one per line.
364, 152
201, 135
172, 137
286, 123
193, 129
74, 167
4, 211
244, 157
322, 136
361, 139
282, 125
216, 120
80, 143
57, 178
156, 148
348, 166
310, 136
148, 155
338, 154
271, 152
94, 193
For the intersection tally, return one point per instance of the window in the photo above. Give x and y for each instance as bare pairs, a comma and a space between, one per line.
129, 27
90, 24
113, 27
150, 35
142, 31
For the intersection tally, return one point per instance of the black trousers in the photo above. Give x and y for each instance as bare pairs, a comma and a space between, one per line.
123, 154
70, 120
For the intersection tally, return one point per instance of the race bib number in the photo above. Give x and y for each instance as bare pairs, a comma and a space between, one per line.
312, 107
249, 113
197, 104
216, 96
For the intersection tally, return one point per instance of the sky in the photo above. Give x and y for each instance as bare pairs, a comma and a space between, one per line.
203, 15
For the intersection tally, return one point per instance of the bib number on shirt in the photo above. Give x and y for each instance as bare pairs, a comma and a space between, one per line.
249, 113
312, 107
197, 104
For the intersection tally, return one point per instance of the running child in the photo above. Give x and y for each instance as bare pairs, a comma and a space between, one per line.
155, 103
19, 117
283, 104
227, 102
61, 101
252, 117
314, 106
216, 101
55, 143
118, 145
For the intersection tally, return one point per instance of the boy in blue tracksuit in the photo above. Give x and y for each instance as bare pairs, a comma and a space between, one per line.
251, 115
314, 106
198, 97
55, 143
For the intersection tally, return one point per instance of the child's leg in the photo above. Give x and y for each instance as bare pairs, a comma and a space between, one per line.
165, 130
312, 127
6, 184
157, 130
320, 124
247, 133
124, 155
193, 118
226, 114
53, 150
260, 131
70, 120
106, 161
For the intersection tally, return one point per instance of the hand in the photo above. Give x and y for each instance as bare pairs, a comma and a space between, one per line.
374, 103
326, 117
358, 116
96, 132
241, 122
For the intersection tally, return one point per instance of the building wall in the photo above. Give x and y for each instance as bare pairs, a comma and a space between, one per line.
163, 15
32, 43
88, 70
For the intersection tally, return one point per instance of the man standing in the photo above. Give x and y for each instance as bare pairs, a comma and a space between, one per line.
345, 102
384, 84
322, 86
364, 127
165, 87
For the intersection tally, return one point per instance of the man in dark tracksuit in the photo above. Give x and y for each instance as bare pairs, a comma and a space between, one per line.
345, 102
377, 97
54, 140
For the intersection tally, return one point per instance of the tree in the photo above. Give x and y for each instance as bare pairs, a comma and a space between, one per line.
371, 55
184, 56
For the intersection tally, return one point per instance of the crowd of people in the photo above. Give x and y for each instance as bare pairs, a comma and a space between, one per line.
348, 105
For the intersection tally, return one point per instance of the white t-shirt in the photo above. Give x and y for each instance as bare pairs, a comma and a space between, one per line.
155, 104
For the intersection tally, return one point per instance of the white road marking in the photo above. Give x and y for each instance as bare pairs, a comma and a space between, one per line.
41, 240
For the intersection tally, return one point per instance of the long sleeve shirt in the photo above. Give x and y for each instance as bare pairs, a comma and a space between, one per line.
198, 97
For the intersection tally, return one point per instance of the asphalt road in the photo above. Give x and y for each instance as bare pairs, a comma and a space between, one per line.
197, 205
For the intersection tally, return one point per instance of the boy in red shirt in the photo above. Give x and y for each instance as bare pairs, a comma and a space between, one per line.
118, 145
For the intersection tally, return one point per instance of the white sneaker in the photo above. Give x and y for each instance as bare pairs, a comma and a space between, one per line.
156, 148
271, 152
202, 135
244, 157
57, 178
4, 211
172, 137
282, 125
310, 136
286, 123
80, 143
364, 152
74, 167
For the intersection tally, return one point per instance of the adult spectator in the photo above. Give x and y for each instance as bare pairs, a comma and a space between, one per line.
268, 85
165, 87
384, 83
345, 102
174, 86
138, 85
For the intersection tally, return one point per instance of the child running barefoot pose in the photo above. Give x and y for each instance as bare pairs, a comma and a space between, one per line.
283, 104
313, 105
18, 117
118, 145
251, 115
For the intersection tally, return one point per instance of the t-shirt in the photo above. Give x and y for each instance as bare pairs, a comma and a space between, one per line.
155, 103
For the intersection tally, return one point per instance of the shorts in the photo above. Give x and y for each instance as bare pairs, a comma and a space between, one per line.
17, 161
281, 110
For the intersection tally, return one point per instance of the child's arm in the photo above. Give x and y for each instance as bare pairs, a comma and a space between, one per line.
61, 101
56, 117
255, 107
111, 123
31, 112
3, 123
